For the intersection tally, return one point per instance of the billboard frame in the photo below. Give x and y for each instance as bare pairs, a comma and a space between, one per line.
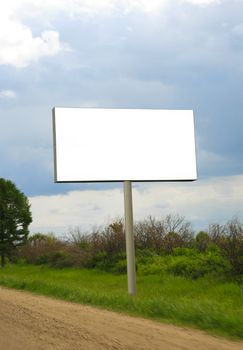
55, 149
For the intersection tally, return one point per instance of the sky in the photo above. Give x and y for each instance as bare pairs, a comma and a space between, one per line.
160, 54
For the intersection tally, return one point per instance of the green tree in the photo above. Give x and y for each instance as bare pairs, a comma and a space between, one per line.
202, 241
15, 217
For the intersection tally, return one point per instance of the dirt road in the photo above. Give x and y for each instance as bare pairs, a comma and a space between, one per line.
30, 322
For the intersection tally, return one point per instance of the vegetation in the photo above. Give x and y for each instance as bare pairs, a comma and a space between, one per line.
15, 218
196, 279
161, 245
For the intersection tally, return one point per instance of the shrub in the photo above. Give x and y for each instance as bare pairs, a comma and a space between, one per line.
202, 241
154, 265
120, 267
100, 260
184, 252
39, 247
198, 265
229, 238
187, 267
61, 259
42, 259
163, 235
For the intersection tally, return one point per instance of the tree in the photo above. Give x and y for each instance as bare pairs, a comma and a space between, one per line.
149, 234
233, 244
15, 217
202, 241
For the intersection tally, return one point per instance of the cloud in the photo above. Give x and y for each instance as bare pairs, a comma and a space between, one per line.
7, 94
98, 7
18, 46
138, 54
201, 202
202, 2
77, 208
76, 8
144, 5
21, 9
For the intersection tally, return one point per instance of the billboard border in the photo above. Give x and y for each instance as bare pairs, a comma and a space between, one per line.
120, 180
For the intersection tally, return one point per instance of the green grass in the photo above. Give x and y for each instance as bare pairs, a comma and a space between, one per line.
206, 303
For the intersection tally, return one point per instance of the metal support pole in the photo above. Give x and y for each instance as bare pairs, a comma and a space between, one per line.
130, 249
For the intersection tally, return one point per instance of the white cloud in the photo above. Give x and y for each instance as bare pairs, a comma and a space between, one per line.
77, 208
101, 7
202, 202
88, 6
144, 5
74, 8
7, 94
18, 46
20, 9
202, 2
71, 8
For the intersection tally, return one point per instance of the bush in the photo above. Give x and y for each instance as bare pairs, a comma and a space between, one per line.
185, 262
184, 252
61, 259
198, 265
165, 245
202, 241
100, 260
120, 267
154, 265
187, 267
58, 259
144, 255
42, 259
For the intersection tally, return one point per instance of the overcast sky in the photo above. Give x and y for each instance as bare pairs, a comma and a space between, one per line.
181, 54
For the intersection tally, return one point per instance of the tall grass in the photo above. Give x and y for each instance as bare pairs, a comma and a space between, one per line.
205, 303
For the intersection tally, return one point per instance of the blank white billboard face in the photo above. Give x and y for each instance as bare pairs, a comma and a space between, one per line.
93, 145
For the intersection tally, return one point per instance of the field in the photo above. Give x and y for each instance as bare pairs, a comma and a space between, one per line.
206, 303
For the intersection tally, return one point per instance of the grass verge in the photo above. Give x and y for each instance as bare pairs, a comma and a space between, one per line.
207, 303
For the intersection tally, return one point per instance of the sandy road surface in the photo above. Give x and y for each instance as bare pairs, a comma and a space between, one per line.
30, 322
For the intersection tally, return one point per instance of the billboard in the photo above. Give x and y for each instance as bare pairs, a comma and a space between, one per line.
100, 144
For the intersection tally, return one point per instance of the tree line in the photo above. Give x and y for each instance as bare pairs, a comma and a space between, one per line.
218, 247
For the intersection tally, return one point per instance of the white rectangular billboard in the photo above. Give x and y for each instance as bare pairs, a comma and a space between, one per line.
98, 144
